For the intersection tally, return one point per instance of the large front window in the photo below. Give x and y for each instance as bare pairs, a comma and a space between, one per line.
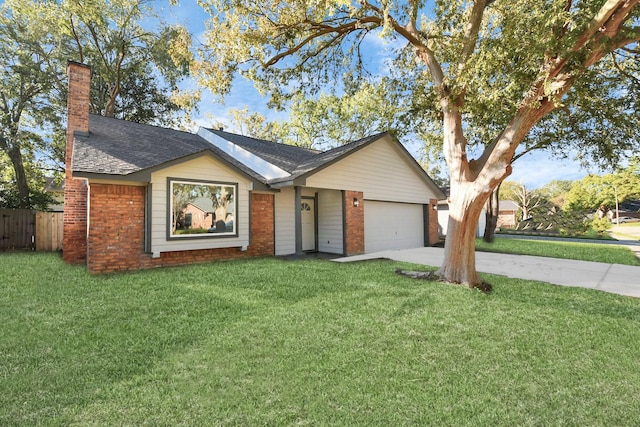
199, 209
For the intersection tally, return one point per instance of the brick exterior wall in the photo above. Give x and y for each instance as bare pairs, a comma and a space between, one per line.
263, 235
74, 240
353, 223
433, 222
117, 227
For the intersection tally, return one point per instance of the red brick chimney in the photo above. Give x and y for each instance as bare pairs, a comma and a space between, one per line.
74, 240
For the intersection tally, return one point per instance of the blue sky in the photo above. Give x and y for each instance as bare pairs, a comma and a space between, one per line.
534, 170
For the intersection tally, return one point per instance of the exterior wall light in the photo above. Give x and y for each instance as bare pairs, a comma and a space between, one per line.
356, 202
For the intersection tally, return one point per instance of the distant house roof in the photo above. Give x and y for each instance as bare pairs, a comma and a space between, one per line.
117, 148
204, 204
508, 205
630, 206
54, 186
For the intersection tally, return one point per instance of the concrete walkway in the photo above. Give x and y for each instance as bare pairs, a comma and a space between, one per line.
613, 278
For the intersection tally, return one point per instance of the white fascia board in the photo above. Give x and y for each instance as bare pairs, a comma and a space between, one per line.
256, 163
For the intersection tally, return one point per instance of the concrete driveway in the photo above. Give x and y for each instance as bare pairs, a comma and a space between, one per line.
613, 278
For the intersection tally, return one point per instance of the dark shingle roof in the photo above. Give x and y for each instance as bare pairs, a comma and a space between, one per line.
119, 147
203, 203
284, 156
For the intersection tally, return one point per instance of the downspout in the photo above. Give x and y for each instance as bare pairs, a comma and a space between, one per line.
344, 222
298, 219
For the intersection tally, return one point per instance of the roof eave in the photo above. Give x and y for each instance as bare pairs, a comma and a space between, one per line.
144, 175
296, 182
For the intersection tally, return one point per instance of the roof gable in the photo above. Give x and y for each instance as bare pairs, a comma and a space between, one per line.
334, 156
117, 147
326, 158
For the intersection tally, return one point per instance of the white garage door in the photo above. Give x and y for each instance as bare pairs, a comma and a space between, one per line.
390, 225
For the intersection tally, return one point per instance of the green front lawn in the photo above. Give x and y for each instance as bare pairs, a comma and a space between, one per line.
597, 252
276, 342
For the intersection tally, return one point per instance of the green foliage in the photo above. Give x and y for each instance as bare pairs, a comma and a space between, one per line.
26, 79
556, 192
594, 191
576, 226
600, 225
135, 75
509, 190
254, 125
135, 69
294, 52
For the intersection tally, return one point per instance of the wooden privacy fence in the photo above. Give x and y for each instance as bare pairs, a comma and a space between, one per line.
17, 229
48, 231
22, 229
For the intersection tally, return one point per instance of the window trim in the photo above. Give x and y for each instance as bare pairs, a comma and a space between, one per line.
209, 235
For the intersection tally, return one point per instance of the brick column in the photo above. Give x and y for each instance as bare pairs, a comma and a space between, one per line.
353, 223
74, 240
262, 225
434, 236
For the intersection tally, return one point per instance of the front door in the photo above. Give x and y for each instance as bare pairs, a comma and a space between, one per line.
308, 212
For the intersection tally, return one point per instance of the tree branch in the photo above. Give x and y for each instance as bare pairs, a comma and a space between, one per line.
471, 31
322, 30
623, 72
599, 22
74, 33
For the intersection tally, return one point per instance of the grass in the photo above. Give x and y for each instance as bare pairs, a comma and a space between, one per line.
629, 230
629, 224
275, 342
610, 254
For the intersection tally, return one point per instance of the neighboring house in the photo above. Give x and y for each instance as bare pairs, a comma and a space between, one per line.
128, 187
507, 217
630, 208
198, 214
507, 214
56, 191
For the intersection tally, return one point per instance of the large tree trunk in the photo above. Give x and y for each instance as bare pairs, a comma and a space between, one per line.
472, 181
491, 216
459, 265
21, 177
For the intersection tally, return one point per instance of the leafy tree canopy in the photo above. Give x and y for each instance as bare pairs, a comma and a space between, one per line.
27, 51
290, 48
136, 67
502, 77
594, 191
136, 71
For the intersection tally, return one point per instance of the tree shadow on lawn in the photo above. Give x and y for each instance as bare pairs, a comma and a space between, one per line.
541, 294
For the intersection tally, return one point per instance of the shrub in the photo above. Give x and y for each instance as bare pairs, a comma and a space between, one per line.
600, 225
